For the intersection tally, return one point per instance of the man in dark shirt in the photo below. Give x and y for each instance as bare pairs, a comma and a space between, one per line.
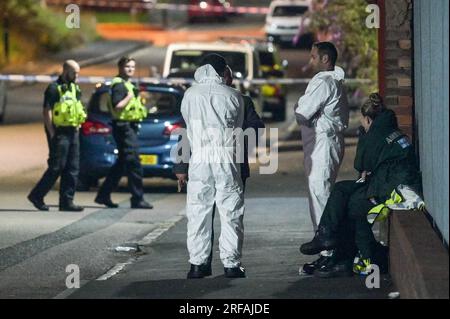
64, 147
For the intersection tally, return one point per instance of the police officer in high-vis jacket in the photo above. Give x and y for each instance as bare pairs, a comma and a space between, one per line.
127, 112
63, 115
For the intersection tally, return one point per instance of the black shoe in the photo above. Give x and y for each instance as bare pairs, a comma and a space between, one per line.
141, 204
70, 207
323, 240
199, 271
333, 269
38, 203
235, 272
309, 268
106, 201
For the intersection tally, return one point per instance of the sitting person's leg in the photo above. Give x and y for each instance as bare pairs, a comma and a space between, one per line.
333, 216
341, 262
364, 238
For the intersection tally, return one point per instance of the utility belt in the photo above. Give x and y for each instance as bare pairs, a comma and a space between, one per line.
66, 129
125, 124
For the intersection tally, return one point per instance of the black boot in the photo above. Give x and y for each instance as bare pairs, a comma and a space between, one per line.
333, 269
235, 272
309, 268
324, 239
142, 204
38, 203
106, 201
199, 271
70, 207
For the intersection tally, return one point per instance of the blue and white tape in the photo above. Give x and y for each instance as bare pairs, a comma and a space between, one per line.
154, 80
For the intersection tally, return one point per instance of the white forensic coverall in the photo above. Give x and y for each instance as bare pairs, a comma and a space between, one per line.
212, 111
325, 108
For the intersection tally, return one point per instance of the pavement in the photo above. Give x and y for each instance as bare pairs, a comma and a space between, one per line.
36, 247
26, 150
274, 227
276, 223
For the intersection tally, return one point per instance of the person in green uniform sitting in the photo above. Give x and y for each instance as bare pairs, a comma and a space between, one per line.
384, 159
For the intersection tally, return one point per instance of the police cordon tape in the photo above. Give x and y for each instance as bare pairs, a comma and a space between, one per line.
149, 5
155, 80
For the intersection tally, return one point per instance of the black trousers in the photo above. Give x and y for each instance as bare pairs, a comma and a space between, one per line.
346, 215
128, 163
64, 161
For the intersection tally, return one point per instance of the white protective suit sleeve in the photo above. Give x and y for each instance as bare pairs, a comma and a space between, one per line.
316, 96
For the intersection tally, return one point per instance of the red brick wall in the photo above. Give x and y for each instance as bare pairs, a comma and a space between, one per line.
396, 66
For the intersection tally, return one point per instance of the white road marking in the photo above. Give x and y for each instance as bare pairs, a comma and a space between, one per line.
116, 269
147, 240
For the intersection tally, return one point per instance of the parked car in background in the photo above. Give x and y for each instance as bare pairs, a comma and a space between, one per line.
284, 20
98, 150
250, 60
208, 10
182, 59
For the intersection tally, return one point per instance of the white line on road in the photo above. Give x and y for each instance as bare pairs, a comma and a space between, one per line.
66, 293
116, 269
147, 240
153, 235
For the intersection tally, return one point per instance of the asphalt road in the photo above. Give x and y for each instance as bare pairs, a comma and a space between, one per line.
36, 247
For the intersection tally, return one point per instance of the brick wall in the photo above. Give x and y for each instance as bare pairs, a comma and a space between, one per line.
397, 61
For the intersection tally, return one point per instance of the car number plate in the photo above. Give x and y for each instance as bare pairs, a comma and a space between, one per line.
148, 159
286, 38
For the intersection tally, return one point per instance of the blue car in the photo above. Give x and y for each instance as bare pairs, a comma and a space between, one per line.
98, 150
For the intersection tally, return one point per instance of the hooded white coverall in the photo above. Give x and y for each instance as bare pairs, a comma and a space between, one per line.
211, 111
324, 110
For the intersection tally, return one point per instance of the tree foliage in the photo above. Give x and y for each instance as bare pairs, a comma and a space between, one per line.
43, 28
343, 22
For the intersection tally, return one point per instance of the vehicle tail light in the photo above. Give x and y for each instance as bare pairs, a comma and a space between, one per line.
170, 128
93, 127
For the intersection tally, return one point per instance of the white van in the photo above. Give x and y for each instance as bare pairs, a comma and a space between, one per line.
284, 19
182, 59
